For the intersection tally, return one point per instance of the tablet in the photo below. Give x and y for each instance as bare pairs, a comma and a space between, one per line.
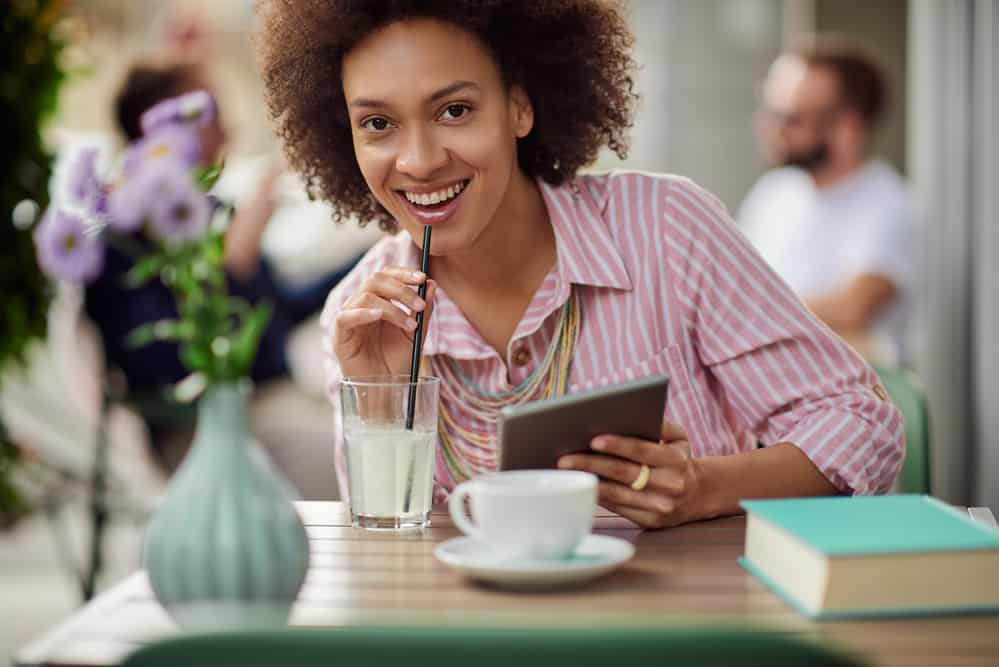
535, 435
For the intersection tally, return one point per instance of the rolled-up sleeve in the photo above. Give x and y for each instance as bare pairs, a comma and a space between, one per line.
782, 374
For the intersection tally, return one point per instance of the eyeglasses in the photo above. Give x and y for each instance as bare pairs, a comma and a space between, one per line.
819, 117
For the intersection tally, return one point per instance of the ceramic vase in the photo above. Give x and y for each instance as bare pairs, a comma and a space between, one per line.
226, 548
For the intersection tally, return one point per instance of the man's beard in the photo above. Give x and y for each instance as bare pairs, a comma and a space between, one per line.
809, 159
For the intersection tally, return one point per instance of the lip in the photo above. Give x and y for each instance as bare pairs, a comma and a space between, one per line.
437, 215
427, 189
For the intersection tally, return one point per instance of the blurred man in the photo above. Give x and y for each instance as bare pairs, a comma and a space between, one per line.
834, 222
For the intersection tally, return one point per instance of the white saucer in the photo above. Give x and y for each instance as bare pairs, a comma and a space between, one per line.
595, 556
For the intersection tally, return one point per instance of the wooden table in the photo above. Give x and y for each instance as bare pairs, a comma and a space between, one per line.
681, 576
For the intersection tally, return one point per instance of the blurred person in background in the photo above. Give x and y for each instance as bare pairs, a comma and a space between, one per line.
117, 309
834, 221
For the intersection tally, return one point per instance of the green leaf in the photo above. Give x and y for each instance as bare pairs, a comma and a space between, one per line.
246, 340
206, 177
196, 358
175, 330
144, 270
214, 250
141, 335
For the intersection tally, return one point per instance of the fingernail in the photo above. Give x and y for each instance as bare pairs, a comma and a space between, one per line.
419, 304
418, 275
565, 462
410, 323
599, 444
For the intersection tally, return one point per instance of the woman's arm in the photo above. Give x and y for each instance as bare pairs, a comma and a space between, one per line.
784, 378
679, 488
779, 471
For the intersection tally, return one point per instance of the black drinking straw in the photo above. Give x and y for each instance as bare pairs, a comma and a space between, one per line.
414, 367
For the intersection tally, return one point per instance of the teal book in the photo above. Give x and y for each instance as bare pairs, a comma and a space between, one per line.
847, 557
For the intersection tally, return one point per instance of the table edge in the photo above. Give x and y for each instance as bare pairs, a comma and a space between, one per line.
40, 649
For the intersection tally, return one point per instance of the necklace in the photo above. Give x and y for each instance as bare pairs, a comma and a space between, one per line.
468, 413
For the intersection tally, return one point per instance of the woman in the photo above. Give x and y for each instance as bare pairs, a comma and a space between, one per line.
474, 117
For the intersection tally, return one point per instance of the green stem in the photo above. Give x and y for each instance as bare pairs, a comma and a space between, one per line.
98, 502
13, 505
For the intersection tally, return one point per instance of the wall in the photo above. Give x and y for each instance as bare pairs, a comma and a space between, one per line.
701, 68
881, 27
953, 150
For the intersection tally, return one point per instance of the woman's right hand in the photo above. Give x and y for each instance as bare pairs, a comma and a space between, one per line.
374, 336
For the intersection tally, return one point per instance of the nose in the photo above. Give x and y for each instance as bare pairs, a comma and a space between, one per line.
420, 155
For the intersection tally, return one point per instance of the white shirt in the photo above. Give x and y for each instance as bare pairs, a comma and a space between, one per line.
301, 240
820, 239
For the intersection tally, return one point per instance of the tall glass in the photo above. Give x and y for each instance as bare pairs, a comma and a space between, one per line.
390, 468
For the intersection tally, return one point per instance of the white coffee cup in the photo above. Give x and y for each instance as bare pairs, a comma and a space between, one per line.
527, 514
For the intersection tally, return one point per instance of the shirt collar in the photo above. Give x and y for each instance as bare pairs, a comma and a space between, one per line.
586, 255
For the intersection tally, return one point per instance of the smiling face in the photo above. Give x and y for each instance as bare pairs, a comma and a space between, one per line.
435, 130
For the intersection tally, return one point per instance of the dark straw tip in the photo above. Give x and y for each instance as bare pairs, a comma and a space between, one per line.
414, 366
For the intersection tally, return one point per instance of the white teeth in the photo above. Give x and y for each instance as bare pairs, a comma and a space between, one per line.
435, 197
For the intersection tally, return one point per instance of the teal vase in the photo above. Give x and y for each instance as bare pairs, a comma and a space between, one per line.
226, 549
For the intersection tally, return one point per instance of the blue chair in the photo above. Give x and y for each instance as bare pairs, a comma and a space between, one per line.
454, 647
909, 396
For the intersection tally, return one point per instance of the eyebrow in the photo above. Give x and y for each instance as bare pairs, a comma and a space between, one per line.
447, 90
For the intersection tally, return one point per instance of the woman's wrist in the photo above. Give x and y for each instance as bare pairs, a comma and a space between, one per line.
716, 497
782, 470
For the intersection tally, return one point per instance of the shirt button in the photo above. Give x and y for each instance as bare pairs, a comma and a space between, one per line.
522, 357
880, 392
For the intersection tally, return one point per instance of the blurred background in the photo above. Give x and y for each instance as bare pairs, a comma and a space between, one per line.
703, 64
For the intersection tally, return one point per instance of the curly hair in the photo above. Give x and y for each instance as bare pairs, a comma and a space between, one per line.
572, 57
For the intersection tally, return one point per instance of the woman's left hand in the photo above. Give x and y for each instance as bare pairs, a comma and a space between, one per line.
666, 495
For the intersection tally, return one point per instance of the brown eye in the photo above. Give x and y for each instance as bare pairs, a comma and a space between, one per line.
376, 124
454, 111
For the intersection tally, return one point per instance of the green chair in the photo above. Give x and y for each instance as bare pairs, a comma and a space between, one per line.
909, 396
454, 647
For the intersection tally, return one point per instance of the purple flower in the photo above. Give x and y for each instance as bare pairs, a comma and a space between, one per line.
182, 214
134, 197
126, 207
173, 142
83, 188
195, 109
128, 202
66, 249
101, 206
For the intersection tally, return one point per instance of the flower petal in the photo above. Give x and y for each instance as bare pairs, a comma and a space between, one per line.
65, 249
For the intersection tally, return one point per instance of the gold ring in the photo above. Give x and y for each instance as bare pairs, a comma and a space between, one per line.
642, 479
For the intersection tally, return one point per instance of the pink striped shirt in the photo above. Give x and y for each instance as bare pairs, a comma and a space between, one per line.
668, 285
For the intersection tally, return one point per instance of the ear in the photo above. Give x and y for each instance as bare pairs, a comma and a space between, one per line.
852, 129
521, 111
